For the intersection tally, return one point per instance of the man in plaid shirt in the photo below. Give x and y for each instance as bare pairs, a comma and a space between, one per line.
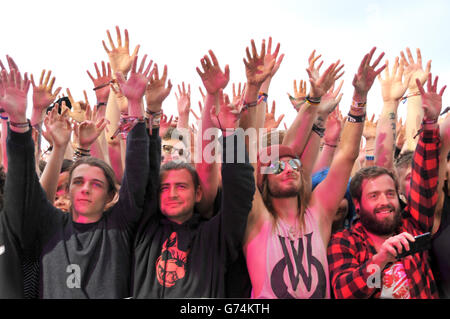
362, 260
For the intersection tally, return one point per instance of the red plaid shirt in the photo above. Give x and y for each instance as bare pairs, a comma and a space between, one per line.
350, 252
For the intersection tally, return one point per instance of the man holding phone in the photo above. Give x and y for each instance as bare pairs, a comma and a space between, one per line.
366, 261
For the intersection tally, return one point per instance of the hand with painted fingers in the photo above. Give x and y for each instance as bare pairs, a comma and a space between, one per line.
119, 57
299, 94
365, 76
395, 84
269, 122
212, 76
58, 128
156, 91
101, 82
14, 90
393, 246
256, 70
227, 117
42, 94
431, 100
414, 69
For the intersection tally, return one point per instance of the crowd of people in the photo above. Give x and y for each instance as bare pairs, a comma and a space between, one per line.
129, 203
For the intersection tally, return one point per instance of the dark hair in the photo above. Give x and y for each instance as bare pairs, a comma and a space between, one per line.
369, 172
404, 159
93, 161
66, 165
176, 165
176, 134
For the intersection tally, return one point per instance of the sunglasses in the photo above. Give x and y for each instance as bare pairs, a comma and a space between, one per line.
169, 149
279, 166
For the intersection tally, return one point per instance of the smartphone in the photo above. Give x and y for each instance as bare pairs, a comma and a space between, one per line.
421, 243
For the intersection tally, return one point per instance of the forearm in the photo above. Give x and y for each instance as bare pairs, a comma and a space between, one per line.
49, 177
386, 136
298, 133
115, 157
414, 117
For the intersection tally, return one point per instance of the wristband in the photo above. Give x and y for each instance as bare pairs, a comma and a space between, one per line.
3, 117
263, 95
247, 105
408, 96
356, 119
330, 145
358, 104
319, 130
21, 125
101, 104
101, 86
313, 100
370, 157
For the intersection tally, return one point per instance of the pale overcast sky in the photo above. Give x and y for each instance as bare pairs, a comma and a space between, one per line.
66, 37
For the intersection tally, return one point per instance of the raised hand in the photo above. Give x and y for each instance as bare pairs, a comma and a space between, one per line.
239, 94
255, 69
269, 122
164, 125
330, 100
183, 100
119, 56
320, 84
157, 91
78, 111
299, 94
13, 92
370, 128
226, 118
394, 84
101, 83
213, 77
364, 78
414, 69
88, 131
58, 128
42, 94
135, 87
269, 57
431, 100
333, 128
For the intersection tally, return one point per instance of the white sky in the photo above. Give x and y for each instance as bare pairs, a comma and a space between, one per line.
65, 37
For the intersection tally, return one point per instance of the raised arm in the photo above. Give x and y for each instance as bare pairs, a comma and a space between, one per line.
414, 114
132, 191
393, 87
423, 196
324, 203
214, 79
59, 129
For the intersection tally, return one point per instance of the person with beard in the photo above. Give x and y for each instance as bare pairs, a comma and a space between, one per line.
363, 260
289, 227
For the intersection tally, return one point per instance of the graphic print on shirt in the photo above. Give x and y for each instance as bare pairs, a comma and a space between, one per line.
280, 287
395, 282
171, 265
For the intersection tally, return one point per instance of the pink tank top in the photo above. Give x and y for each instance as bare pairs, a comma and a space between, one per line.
296, 262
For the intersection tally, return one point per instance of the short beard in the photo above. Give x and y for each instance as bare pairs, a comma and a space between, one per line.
275, 192
387, 227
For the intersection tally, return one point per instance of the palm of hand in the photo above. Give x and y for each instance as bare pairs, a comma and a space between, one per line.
120, 60
257, 71
156, 92
392, 90
135, 87
214, 80
59, 133
15, 101
226, 118
42, 97
102, 94
269, 121
184, 104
